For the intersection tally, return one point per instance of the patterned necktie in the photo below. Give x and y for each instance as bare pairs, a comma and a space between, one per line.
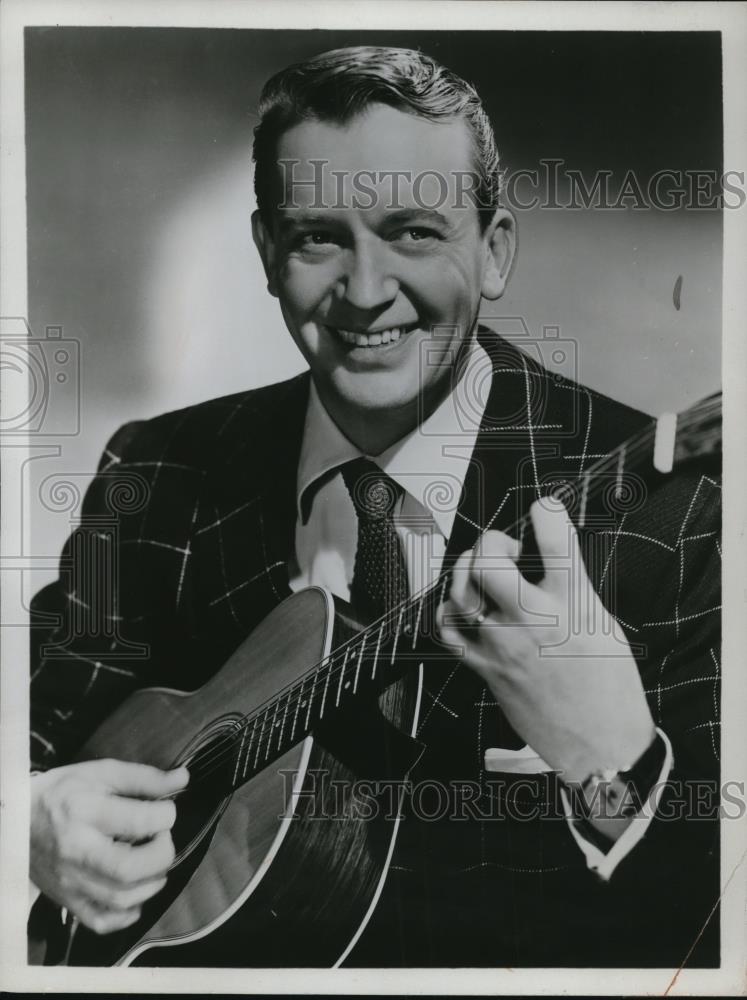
380, 573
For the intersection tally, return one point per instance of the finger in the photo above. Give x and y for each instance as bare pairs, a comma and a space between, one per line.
465, 600
128, 819
446, 618
128, 864
109, 896
557, 543
140, 780
102, 921
495, 573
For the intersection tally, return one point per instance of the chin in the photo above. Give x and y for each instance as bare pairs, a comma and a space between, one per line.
376, 392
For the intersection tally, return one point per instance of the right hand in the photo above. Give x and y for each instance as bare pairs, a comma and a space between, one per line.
100, 838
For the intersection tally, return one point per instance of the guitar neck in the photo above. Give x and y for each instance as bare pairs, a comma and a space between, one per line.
378, 655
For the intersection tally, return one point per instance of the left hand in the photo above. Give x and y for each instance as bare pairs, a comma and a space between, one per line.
551, 654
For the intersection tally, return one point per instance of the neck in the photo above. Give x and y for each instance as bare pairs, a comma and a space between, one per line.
373, 431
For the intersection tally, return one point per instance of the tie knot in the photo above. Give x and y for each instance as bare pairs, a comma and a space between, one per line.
373, 492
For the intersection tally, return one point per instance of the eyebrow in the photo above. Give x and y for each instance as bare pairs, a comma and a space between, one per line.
409, 215
301, 218
332, 219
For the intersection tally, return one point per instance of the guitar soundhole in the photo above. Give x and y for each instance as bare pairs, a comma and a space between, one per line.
211, 765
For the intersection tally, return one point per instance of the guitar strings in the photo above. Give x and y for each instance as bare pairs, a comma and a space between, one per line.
222, 750
595, 469
295, 694
214, 755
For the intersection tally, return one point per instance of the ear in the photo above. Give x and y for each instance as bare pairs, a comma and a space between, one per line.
500, 251
265, 244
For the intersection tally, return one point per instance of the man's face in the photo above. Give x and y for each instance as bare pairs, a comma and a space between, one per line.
378, 289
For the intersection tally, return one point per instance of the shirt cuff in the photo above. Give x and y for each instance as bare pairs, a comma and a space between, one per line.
603, 863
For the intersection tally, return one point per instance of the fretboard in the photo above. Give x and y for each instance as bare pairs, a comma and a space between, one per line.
378, 655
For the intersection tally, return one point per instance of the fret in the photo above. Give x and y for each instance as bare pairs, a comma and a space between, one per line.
272, 730
324, 692
282, 724
396, 635
234, 781
620, 470
261, 733
376, 651
417, 621
309, 703
298, 705
342, 677
249, 747
358, 664
696, 433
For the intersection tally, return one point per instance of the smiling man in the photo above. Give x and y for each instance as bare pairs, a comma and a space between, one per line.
559, 713
363, 282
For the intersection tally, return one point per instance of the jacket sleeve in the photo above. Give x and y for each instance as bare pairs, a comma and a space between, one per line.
91, 629
668, 575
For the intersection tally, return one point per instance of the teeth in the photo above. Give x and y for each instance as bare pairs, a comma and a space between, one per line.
389, 336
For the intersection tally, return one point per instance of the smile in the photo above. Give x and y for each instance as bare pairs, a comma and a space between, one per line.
374, 338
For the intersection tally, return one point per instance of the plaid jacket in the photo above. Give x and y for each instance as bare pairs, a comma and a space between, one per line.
183, 547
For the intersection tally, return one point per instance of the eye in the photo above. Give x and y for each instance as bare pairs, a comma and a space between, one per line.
417, 234
315, 238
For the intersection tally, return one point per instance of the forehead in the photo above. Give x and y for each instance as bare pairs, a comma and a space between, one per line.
429, 158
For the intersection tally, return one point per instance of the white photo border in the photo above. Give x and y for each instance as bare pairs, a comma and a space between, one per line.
731, 21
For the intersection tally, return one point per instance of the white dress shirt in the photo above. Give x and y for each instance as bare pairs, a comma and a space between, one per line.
430, 464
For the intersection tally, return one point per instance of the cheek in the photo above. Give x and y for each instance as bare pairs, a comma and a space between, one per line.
304, 287
450, 283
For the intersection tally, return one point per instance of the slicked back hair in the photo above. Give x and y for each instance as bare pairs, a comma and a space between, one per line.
339, 85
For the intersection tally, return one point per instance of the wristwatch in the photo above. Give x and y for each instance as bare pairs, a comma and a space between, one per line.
609, 794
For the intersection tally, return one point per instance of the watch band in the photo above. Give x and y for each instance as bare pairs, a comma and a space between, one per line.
618, 794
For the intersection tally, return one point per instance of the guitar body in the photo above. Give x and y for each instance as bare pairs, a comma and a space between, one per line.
288, 849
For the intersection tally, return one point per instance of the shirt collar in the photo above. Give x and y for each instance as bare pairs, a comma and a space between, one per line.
430, 463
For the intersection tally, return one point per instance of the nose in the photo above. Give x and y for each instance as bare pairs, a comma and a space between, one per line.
367, 282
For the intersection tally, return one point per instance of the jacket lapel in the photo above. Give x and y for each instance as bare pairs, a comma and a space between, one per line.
515, 437
504, 476
252, 484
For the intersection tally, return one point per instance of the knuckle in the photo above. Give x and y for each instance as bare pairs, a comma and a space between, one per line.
117, 869
137, 824
169, 851
68, 846
169, 808
66, 884
98, 922
164, 854
130, 917
120, 899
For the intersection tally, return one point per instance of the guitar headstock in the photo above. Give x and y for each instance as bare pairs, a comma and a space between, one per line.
698, 431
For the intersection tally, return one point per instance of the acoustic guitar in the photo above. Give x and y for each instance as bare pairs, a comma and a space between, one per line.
284, 822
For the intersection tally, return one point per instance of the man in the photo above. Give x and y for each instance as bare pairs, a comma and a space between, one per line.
380, 230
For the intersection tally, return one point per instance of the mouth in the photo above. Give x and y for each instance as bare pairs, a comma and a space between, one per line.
372, 338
